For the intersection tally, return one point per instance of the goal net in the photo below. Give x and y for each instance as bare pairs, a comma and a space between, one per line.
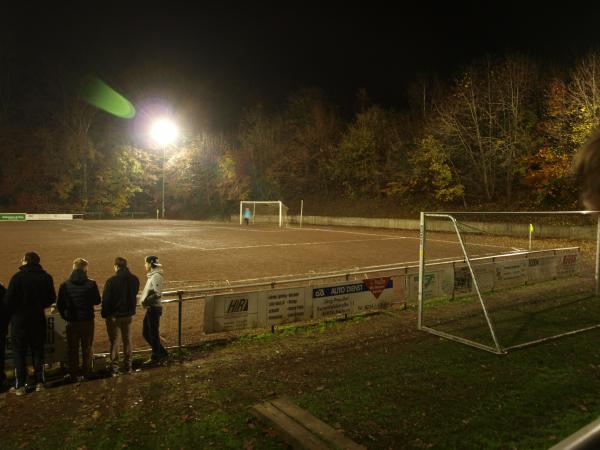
502, 281
263, 212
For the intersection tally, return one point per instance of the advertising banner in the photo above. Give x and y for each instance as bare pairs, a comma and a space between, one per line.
352, 296
282, 306
6, 217
568, 263
463, 281
49, 216
511, 273
541, 268
438, 282
231, 312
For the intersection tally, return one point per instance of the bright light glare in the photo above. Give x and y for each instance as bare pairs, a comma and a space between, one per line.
164, 132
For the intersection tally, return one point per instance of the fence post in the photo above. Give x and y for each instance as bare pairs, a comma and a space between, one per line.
422, 244
180, 318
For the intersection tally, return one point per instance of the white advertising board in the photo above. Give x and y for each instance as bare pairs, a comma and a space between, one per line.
511, 273
463, 281
438, 282
231, 312
282, 306
568, 262
49, 216
541, 268
486, 276
351, 296
255, 309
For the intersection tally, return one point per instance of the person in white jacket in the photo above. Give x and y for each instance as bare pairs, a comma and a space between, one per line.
151, 301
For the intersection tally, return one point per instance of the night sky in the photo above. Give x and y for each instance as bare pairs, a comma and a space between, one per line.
232, 55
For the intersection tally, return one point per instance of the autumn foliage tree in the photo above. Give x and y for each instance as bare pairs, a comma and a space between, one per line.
501, 134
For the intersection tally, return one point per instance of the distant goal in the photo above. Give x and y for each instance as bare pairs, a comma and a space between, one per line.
264, 212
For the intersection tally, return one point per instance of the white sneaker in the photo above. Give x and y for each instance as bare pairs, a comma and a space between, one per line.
18, 391
40, 387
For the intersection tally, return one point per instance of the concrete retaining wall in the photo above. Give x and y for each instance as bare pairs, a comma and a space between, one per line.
587, 232
496, 228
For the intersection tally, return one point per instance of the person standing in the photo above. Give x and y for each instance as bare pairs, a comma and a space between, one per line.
118, 308
77, 297
4, 320
247, 216
30, 291
151, 301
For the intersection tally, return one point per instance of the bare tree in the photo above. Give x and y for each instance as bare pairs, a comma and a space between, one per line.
584, 96
464, 124
514, 86
485, 122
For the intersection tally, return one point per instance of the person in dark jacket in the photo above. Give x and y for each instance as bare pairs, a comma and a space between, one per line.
118, 307
4, 320
76, 299
30, 291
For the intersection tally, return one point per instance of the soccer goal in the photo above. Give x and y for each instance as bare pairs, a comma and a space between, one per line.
269, 212
500, 281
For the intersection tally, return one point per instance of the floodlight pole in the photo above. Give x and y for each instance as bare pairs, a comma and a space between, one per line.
163, 180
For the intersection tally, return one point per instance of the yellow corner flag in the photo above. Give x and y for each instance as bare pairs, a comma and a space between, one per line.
531, 228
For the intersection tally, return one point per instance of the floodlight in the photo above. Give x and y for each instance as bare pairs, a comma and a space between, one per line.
164, 132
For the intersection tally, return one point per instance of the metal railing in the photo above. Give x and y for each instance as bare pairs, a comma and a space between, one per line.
182, 320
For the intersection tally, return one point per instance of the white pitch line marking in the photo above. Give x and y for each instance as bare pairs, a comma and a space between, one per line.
139, 236
397, 237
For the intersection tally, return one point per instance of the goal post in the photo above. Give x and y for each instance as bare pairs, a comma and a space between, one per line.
482, 283
263, 211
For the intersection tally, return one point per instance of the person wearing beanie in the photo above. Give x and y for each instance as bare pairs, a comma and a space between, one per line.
151, 301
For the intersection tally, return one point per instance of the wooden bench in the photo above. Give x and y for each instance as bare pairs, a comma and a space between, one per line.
301, 429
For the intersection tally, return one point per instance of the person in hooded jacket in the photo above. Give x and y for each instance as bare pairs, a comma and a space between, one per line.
77, 297
119, 301
4, 320
151, 301
30, 291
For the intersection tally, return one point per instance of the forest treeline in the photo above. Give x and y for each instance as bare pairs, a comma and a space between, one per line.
501, 134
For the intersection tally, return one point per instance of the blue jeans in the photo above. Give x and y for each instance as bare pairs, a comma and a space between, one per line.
151, 332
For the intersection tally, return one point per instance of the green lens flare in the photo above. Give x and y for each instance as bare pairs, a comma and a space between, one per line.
102, 96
